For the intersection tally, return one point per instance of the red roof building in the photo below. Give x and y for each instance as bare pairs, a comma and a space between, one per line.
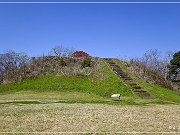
80, 54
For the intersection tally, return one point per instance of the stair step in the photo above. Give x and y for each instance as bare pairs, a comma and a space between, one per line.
139, 90
129, 81
133, 84
115, 68
144, 94
124, 75
120, 72
136, 87
126, 78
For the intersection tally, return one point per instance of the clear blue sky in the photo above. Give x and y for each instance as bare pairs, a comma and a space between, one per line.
104, 30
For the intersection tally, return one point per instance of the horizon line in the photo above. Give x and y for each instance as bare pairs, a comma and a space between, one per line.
78, 2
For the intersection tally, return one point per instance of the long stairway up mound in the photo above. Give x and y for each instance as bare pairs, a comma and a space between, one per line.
127, 79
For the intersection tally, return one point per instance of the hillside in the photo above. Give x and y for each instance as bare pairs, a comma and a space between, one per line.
98, 86
95, 87
157, 92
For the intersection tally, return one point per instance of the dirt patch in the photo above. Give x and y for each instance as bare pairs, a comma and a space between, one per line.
89, 118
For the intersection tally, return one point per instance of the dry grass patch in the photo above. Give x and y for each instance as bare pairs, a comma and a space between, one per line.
88, 118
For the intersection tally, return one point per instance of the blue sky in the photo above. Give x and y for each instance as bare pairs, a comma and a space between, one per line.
104, 30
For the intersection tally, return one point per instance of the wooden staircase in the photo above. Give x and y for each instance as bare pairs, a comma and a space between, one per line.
127, 79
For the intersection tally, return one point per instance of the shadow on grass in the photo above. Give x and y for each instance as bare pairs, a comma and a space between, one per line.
108, 102
22, 102
67, 101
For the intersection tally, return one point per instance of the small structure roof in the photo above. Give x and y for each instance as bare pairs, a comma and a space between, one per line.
80, 54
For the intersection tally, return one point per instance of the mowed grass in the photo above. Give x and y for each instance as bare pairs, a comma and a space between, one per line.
72, 83
77, 89
159, 94
88, 118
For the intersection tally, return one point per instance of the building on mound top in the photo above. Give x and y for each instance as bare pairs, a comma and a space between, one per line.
80, 54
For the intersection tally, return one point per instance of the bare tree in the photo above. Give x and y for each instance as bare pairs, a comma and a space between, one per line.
61, 51
168, 56
70, 51
23, 60
57, 50
10, 63
151, 59
164, 62
152, 67
1, 70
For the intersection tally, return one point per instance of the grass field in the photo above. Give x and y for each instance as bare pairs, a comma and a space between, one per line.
89, 118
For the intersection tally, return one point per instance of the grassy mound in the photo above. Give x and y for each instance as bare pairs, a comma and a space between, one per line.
84, 88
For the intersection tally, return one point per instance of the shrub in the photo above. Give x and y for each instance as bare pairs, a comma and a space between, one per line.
86, 63
62, 62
